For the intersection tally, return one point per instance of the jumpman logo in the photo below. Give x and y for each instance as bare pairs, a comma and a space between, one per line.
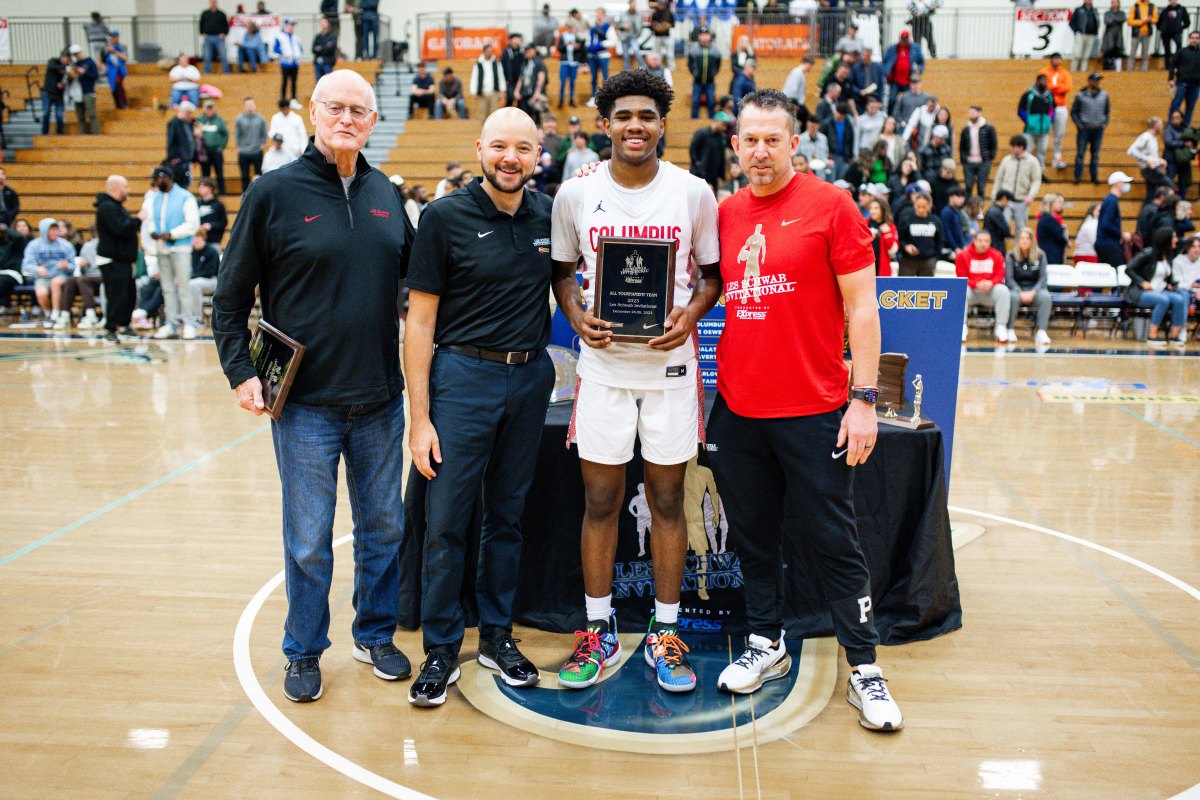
599, 207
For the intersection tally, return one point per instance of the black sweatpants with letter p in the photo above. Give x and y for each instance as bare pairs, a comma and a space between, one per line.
786, 495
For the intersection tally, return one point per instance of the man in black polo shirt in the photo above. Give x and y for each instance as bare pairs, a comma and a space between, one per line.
478, 283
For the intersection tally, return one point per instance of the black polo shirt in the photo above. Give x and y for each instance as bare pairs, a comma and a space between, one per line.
490, 271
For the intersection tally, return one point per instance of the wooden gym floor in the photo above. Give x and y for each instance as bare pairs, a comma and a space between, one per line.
140, 535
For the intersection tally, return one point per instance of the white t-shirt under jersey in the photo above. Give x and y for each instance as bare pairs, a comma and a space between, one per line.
675, 205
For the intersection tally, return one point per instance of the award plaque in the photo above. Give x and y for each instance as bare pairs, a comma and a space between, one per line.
276, 358
635, 286
892, 367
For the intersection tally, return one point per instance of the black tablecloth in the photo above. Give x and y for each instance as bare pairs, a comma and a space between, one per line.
903, 523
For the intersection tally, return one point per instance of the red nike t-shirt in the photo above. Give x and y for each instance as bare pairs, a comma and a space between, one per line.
781, 352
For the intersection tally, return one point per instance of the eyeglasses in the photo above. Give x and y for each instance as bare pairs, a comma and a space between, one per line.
336, 109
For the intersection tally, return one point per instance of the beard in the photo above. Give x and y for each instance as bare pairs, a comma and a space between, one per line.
493, 176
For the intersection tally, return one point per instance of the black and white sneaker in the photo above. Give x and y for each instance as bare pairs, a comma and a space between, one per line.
867, 691
762, 661
501, 654
437, 673
390, 664
302, 683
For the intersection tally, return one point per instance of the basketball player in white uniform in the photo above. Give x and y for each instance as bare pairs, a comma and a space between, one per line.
626, 390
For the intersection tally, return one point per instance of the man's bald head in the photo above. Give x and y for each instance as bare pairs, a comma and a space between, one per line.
507, 122
508, 149
117, 188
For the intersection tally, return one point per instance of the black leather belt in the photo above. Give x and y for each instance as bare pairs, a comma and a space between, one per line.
502, 356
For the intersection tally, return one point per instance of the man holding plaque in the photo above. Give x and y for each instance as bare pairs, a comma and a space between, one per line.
638, 224
477, 289
326, 243
783, 440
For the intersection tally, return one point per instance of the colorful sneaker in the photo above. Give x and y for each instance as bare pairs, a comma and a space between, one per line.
667, 654
761, 662
868, 692
596, 647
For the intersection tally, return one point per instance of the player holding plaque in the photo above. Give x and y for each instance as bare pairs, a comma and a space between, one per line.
647, 390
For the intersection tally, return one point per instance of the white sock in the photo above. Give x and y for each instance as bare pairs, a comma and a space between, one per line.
666, 613
598, 607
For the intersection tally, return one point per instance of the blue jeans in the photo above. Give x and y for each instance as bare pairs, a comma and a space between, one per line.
321, 70
57, 106
192, 95
1185, 95
1160, 302
248, 57
214, 46
310, 442
369, 24
706, 93
1085, 138
460, 105
567, 72
599, 68
489, 418
631, 52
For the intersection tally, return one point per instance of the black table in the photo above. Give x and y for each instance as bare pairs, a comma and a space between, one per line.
903, 523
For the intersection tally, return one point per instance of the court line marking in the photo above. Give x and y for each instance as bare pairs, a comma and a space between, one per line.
136, 493
1159, 425
277, 719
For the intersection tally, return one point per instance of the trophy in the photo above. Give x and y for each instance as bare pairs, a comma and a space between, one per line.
564, 361
893, 408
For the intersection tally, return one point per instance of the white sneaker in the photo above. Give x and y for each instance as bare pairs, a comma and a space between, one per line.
1179, 341
165, 332
867, 691
189, 332
591, 103
964, 333
1157, 344
89, 322
63, 322
1001, 334
1059, 164
1041, 338
1012, 334
758, 664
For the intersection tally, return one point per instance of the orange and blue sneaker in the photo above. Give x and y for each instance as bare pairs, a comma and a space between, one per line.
596, 647
667, 654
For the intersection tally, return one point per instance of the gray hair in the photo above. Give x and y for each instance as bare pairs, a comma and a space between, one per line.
316, 95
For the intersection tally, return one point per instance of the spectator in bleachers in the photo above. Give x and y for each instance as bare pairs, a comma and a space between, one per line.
828, 102
214, 134
450, 96
977, 146
842, 136
984, 268
117, 235
578, 155
920, 124
86, 284
1026, 276
1090, 112
1036, 109
1179, 148
903, 63
744, 83
324, 49
920, 14
795, 86
511, 61
1052, 234
1143, 19
886, 244
12, 249
181, 143
915, 98
1144, 151
662, 23
1021, 175
1085, 23
737, 178
600, 141
1058, 81
206, 260
84, 73
424, 94
54, 86
214, 27
1085, 237
289, 50
1110, 238
213, 216
185, 82
1152, 284
549, 136
956, 226
487, 82
370, 28
68, 233
250, 49
707, 150
935, 153
115, 68
10, 201
289, 124
96, 31
250, 133
870, 123
1185, 270
172, 219
1112, 46
629, 28
814, 145
531, 90
704, 63
891, 138
1173, 213
571, 53
743, 54
921, 238
1183, 77
996, 220
454, 170
47, 262
907, 173
867, 80
652, 62
1173, 20
545, 28
858, 175
277, 155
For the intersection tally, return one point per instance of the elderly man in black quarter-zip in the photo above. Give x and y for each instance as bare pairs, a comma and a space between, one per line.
326, 242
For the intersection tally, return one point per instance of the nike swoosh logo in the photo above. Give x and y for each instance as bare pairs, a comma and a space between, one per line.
786, 222
840, 453
651, 325
310, 219
489, 233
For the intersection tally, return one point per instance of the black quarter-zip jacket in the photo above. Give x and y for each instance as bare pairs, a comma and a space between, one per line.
328, 267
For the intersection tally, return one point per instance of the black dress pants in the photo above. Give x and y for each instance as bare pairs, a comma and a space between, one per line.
120, 294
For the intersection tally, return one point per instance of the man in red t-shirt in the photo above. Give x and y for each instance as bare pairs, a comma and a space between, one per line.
796, 260
983, 267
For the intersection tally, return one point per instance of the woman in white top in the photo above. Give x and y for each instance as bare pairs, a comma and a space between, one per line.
1085, 239
895, 143
1152, 285
185, 82
1185, 270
